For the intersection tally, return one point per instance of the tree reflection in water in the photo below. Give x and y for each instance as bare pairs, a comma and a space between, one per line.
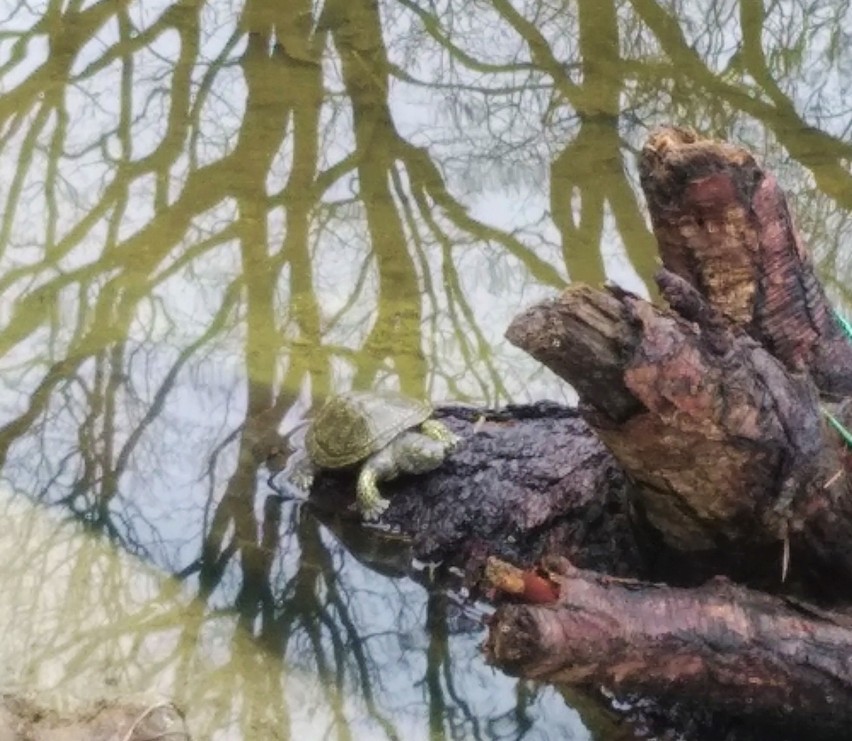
210, 208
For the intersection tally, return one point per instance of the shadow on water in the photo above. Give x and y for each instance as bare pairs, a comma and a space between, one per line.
213, 212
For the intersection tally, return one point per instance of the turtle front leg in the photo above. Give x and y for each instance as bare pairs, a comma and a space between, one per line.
440, 432
301, 473
371, 504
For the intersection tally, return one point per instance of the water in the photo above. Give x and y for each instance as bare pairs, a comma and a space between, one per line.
212, 214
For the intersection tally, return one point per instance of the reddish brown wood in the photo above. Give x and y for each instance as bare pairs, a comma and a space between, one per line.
714, 407
722, 222
720, 645
727, 448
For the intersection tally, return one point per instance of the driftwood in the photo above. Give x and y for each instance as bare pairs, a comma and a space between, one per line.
741, 651
714, 406
700, 448
527, 482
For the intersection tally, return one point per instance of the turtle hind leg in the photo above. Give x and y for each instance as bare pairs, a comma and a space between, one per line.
440, 432
370, 502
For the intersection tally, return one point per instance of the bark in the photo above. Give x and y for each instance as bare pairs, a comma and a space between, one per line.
724, 225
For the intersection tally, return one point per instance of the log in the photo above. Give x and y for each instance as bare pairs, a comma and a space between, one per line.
700, 447
709, 405
724, 440
527, 482
774, 660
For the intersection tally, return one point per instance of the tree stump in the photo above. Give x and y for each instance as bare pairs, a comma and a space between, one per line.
699, 451
715, 406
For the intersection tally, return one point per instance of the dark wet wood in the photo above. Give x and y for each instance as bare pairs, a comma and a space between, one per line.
773, 659
526, 482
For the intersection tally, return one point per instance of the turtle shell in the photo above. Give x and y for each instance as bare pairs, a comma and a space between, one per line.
354, 425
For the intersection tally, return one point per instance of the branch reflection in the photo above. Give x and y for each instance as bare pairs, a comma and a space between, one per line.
214, 212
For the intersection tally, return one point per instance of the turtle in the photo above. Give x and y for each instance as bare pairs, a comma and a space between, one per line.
380, 433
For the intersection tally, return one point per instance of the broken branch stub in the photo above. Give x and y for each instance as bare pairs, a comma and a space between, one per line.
710, 426
583, 336
723, 224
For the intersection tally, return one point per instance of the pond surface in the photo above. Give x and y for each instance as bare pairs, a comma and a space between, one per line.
212, 214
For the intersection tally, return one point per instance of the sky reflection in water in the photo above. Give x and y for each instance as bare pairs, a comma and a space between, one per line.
211, 212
